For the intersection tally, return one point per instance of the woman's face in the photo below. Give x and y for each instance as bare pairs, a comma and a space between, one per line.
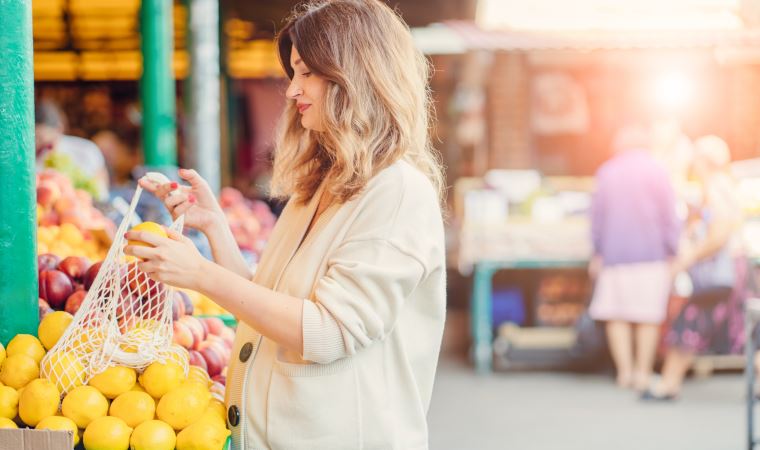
308, 90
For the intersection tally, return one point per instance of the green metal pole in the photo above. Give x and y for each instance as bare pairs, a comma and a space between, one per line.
18, 253
157, 84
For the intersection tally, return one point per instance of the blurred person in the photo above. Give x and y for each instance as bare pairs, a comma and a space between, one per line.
340, 327
120, 153
711, 320
635, 234
49, 136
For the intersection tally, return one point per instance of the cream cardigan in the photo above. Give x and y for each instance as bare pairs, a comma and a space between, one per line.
373, 274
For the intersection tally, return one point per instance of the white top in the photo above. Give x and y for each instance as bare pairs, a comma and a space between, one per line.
373, 273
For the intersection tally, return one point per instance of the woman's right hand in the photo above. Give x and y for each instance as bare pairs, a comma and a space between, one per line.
196, 201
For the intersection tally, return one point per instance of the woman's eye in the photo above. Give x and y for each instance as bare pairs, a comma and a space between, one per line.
306, 74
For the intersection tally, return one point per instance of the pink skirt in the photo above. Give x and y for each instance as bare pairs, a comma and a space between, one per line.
632, 293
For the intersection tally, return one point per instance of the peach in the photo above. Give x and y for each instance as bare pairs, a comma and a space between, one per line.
228, 335
178, 307
47, 193
214, 361
215, 325
196, 328
196, 359
182, 335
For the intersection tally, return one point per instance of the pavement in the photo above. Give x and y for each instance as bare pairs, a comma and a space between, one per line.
573, 411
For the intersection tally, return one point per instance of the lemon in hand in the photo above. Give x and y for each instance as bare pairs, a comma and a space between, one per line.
150, 227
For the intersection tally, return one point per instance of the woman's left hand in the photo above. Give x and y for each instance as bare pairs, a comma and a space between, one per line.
173, 260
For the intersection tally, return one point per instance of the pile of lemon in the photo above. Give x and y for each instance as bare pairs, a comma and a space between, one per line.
161, 409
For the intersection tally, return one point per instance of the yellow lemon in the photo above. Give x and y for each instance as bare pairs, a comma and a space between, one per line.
202, 435
52, 327
153, 435
137, 388
88, 339
107, 433
7, 423
133, 408
40, 399
2, 354
8, 402
59, 423
26, 344
150, 227
114, 381
160, 378
18, 371
64, 369
83, 405
182, 406
218, 408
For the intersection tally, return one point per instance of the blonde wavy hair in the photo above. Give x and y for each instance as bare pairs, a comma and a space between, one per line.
377, 106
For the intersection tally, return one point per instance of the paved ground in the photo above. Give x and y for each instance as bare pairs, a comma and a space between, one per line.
547, 411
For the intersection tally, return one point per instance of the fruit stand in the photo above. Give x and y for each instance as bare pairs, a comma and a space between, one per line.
53, 256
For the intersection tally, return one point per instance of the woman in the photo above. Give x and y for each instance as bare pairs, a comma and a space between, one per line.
635, 234
341, 326
712, 318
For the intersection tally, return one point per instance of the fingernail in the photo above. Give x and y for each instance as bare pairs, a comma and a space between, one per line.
125, 234
174, 185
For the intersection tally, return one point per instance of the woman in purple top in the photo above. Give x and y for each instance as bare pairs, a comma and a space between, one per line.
635, 233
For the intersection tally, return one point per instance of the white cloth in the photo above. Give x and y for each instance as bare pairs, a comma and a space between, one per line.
373, 273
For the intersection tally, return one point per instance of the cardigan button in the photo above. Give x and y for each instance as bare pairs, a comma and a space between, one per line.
245, 352
233, 415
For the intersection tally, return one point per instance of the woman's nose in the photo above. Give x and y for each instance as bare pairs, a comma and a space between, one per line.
293, 90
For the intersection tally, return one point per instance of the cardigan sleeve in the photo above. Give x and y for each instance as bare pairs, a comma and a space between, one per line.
359, 299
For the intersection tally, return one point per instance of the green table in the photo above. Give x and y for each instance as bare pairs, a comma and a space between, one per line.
480, 305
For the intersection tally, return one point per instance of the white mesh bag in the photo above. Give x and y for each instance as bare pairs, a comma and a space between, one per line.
125, 319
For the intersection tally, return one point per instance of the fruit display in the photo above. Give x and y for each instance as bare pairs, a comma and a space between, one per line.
251, 221
161, 409
67, 222
63, 286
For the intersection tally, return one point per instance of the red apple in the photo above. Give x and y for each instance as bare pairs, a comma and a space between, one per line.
91, 274
214, 361
75, 267
215, 325
55, 287
196, 359
74, 302
47, 261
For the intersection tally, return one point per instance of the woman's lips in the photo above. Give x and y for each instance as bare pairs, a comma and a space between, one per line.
302, 108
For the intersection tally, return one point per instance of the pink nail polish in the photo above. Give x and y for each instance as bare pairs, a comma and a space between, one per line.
174, 185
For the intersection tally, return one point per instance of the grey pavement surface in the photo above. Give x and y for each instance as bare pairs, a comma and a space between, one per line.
560, 410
